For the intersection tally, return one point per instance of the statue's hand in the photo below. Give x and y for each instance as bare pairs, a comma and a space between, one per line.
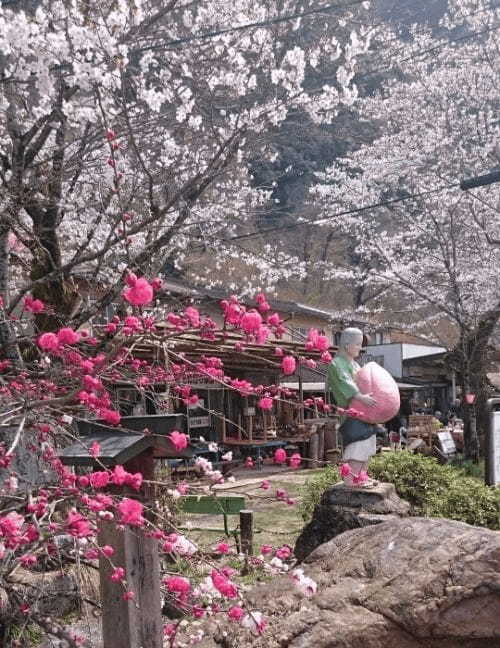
367, 399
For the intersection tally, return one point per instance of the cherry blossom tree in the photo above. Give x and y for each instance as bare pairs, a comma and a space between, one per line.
433, 246
125, 130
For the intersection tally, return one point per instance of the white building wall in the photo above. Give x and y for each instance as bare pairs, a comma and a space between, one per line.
392, 357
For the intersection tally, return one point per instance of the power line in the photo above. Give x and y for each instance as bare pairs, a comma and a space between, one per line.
356, 210
262, 23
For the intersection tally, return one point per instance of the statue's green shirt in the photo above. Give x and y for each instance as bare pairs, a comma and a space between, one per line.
341, 380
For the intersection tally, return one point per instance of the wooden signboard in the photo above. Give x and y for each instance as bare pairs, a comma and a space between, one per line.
447, 442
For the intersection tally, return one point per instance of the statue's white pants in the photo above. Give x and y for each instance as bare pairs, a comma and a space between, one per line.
361, 450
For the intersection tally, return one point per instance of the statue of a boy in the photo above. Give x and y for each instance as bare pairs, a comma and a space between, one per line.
358, 437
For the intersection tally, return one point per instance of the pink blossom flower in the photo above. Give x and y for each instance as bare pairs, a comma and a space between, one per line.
265, 403
68, 336
295, 460
128, 596
223, 584
107, 551
284, 552
48, 342
140, 293
222, 548
322, 343
33, 305
119, 475
249, 462
77, 525
109, 416
95, 449
177, 584
279, 456
157, 284
251, 322
254, 622
100, 479
91, 554
236, 613
281, 494
179, 439
28, 560
134, 480
274, 319
131, 512
169, 629
326, 357
265, 485
266, 549
278, 351
288, 365
193, 316
183, 488
306, 585
118, 574
83, 481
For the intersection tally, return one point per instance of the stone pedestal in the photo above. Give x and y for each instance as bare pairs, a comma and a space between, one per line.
342, 508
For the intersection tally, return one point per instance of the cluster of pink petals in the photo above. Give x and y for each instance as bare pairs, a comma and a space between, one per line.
139, 292
33, 305
131, 512
306, 585
284, 552
179, 440
288, 365
112, 417
295, 460
316, 342
265, 403
77, 525
236, 613
118, 574
177, 585
279, 456
222, 583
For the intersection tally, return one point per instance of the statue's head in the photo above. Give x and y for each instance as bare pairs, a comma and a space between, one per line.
351, 341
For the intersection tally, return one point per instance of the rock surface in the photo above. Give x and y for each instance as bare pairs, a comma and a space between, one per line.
405, 583
342, 508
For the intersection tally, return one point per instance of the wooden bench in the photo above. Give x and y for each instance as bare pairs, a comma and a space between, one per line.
225, 506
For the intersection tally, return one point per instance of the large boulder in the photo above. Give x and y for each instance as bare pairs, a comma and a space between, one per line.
405, 583
343, 508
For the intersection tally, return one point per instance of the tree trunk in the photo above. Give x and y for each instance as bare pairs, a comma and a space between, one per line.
8, 342
470, 360
58, 293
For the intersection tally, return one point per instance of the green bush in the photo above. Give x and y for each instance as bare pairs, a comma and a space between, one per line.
416, 478
432, 490
310, 493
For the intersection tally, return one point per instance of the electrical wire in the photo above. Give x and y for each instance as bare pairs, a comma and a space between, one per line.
347, 212
261, 23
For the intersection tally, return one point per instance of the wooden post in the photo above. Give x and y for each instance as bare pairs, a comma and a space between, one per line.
321, 445
246, 531
313, 450
130, 624
301, 398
